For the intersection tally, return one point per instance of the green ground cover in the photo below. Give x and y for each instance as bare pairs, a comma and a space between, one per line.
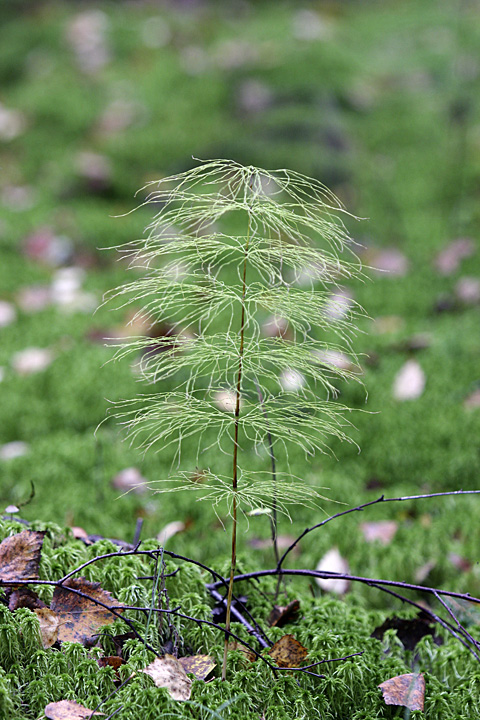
381, 103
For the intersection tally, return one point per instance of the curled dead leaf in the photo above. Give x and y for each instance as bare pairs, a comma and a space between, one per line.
281, 615
405, 690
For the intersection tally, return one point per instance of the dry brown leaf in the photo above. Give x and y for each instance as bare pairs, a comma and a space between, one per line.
68, 710
332, 561
409, 382
20, 556
80, 618
198, 665
383, 531
111, 661
169, 673
249, 655
288, 652
48, 626
282, 614
405, 690
23, 597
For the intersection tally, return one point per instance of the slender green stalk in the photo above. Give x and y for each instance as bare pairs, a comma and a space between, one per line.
233, 563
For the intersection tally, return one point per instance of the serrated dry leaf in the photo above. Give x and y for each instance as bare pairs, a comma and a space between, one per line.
169, 673
198, 665
68, 710
48, 626
80, 618
405, 690
332, 561
20, 556
383, 531
281, 615
409, 382
288, 652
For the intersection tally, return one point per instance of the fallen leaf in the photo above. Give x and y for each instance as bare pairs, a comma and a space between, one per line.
23, 597
409, 382
226, 400
249, 655
424, 571
80, 617
291, 380
288, 652
34, 298
283, 542
130, 479
169, 673
20, 556
383, 531
472, 401
409, 631
467, 290
387, 261
174, 527
405, 690
198, 665
79, 533
13, 450
48, 626
338, 304
113, 661
459, 562
7, 313
68, 710
333, 562
32, 360
281, 615
448, 259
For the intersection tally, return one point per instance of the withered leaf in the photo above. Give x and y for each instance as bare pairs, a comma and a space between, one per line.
169, 673
333, 562
249, 655
68, 710
20, 556
382, 530
48, 626
198, 665
80, 617
23, 597
288, 652
282, 614
112, 661
405, 690
409, 632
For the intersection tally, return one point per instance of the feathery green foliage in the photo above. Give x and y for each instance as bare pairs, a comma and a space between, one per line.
224, 253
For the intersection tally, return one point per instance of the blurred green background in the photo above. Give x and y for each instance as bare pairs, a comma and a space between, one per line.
380, 100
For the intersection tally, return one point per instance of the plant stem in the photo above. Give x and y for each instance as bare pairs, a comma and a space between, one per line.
233, 562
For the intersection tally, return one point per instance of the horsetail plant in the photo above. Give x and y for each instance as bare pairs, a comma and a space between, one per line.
228, 251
